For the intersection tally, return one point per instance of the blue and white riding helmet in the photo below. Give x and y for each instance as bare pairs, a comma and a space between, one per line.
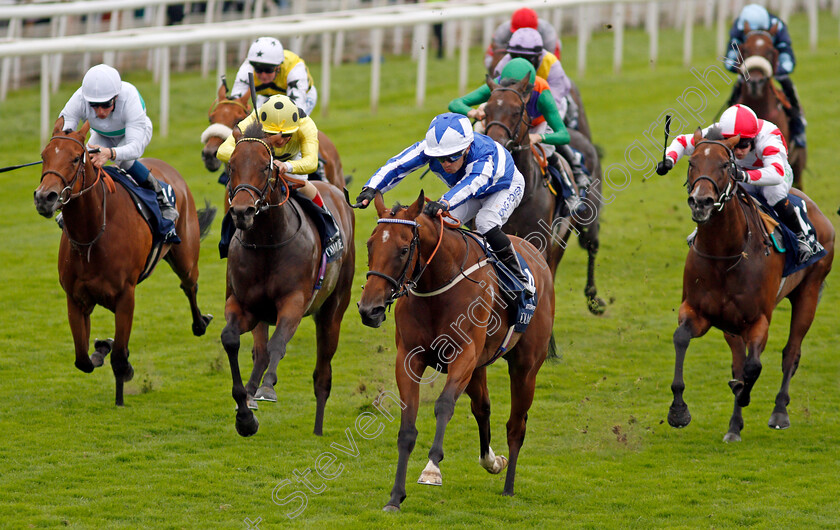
754, 15
449, 133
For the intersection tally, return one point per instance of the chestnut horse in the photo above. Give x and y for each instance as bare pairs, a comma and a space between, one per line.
105, 244
759, 93
733, 283
273, 270
507, 122
225, 113
457, 327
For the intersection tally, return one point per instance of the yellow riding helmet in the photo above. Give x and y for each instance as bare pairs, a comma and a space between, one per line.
280, 115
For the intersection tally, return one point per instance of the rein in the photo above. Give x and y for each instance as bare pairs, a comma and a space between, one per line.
514, 143
66, 194
259, 195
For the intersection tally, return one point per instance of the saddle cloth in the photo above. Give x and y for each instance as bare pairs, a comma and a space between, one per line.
788, 243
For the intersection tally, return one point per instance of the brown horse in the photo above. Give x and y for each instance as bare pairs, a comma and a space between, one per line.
455, 326
273, 274
226, 113
105, 244
507, 122
759, 93
732, 282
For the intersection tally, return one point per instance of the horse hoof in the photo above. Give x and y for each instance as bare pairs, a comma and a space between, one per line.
731, 437
129, 374
248, 427
431, 475
252, 404
200, 327
596, 306
86, 367
779, 421
266, 393
390, 508
679, 417
494, 464
101, 350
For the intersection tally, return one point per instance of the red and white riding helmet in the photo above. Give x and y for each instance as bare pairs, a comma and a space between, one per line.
738, 120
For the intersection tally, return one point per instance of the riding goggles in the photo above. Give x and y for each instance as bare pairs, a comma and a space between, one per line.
451, 158
263, 68
102, 104
744, 143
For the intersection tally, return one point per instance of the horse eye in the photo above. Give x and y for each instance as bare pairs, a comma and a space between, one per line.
404, 251
76, 160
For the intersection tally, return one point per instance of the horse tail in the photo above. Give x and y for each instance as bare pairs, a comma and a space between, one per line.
552, 349
205, 219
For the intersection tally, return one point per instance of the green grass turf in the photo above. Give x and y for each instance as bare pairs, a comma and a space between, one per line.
598, 452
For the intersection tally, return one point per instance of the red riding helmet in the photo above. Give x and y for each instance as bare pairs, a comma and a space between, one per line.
523, 18
739, 120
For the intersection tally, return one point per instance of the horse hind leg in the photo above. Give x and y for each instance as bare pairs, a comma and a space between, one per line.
185, 265
588, 239
523, 376
477, 390
327, 329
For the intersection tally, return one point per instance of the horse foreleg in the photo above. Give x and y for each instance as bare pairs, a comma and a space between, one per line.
589, 239
756, 340
739, 356
803, 303
460, 372
80, 328
523, 379
691, 326
260, 357
289, 313
327, 329
123, 317
480, 397
408, 370
237, 324
184, 262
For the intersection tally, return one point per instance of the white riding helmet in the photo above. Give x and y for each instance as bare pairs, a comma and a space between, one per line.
756, 16
266, 50
448, 134
101, 83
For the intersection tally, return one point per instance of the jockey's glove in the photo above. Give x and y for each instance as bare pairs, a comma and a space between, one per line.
741, 175
433, 207
367, 194
665, 166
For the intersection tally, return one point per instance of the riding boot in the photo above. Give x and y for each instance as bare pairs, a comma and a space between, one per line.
797, 120
328, 229
789, 216
574, 159
571, 119
503, 249
144, 178
736, 91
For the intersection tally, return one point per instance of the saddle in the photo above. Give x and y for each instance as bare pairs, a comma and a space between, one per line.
146, 203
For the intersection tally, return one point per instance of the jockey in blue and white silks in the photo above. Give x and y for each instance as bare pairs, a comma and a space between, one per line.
483, 180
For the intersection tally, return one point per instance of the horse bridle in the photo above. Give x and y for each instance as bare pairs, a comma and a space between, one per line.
402, 285
727, 194
258, 195
66, 194
513, 143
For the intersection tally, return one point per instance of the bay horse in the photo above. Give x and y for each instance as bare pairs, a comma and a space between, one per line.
759, 93
732, 281
454, 326
507, 122
273, 276
105, 244
225, 114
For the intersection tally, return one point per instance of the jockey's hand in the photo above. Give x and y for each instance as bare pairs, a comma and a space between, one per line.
741, 175
476, 114
432, 208
282, 168
365, 197
665, 166
535, 138
99, 159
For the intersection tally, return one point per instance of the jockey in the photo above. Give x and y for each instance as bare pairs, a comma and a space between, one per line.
524, 17
758, 18
762, 165
119, 127
483, 180
276, 71
546, 125
527, 43
297, 156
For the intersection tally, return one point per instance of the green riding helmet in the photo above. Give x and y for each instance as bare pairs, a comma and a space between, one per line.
517, 69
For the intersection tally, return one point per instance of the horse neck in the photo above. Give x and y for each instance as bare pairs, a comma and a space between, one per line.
83, 215
726, 231
761, 105
446, 262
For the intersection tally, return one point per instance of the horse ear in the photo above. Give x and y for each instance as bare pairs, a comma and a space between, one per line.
379, 203
491, 83
774, 28
746, 27
732, 142
415, 209
83, 130
59, 125
222, 94
245, 100
237, 133
698, 135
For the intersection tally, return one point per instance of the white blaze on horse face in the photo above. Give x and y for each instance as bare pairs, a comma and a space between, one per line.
500, 103
707, 151
56, 150
759, 42
385, 236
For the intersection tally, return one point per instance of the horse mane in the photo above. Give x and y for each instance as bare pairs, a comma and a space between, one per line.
714, 133
397, 207
254, 130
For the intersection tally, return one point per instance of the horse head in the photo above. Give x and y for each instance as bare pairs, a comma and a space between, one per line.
711, 171
393, 255
761, 58
65, 163
253, 176
225, 113
506, 115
